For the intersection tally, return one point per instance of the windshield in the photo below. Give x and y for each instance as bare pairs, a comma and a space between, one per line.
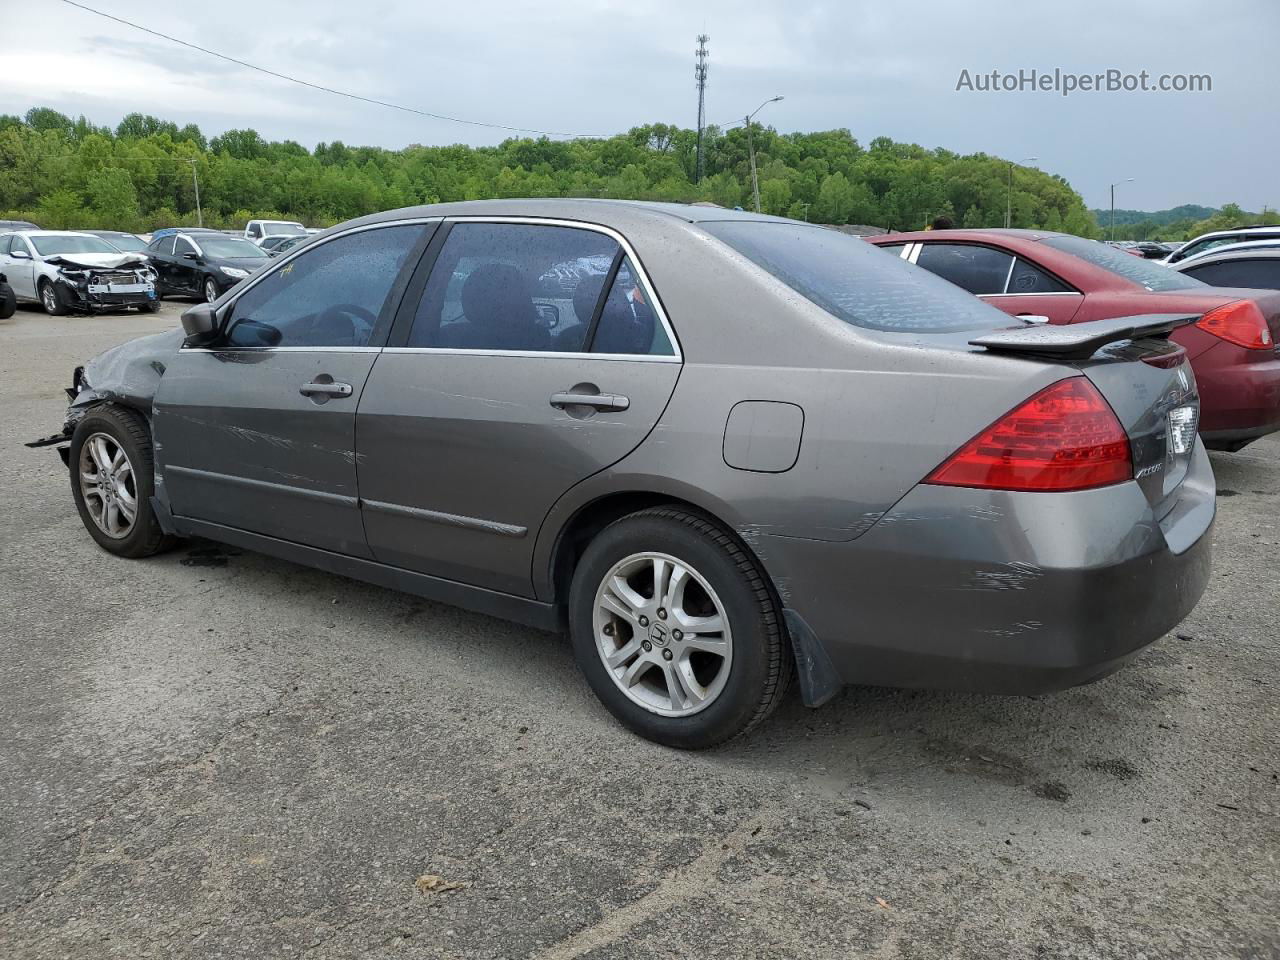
125, 242
231, 247
55, 245
274, 228
856, 282
1145, 273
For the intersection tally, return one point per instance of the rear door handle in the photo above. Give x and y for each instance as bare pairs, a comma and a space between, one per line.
601, 401
329, 389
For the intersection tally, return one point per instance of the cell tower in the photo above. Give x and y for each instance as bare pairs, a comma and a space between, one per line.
700, 74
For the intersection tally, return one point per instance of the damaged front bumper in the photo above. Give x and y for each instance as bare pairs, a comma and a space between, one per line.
92, 291
77, 410
127, 281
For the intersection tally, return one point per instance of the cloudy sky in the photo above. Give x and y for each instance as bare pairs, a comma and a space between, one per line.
601, 66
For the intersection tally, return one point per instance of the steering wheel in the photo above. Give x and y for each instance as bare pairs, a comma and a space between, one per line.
362, 321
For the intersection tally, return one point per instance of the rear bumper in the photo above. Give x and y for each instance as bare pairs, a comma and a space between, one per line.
1017, 593
1239, 393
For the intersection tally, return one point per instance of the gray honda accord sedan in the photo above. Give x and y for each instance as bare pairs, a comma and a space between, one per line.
725, 451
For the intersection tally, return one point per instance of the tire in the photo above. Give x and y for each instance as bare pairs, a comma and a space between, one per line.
51, 299
210, 290
740, 685
8, 302
151, 306
106, 430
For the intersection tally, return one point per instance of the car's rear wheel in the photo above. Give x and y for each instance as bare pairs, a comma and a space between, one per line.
676, 630
51, 299
112, 480
210, 290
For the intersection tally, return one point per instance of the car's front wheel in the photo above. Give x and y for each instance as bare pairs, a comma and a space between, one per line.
676, 630
51, 299
210, 290
112, 480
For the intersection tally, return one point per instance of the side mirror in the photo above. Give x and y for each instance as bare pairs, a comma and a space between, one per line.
200, 323
20, 255
190, 256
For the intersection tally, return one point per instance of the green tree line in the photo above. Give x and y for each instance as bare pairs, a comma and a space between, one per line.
1162, 226
69, 173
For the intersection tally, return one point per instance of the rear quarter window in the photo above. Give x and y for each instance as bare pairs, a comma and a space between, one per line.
853, 280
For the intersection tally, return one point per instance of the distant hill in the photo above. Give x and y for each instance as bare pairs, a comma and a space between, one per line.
1188, 211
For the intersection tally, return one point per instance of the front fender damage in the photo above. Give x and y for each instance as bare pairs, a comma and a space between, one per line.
128, 375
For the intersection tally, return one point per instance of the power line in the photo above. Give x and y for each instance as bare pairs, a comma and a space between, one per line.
316, 86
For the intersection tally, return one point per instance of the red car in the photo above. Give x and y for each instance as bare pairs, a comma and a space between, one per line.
1068, 279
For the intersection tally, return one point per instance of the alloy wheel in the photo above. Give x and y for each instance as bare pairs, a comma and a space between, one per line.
108, 485
210, 291
48, 298
663, 634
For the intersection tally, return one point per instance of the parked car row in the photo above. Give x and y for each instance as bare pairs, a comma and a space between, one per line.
727, 451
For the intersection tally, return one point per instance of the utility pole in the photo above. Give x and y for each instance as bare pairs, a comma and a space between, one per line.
196, 180
1008, 209
1112, 229
751, 150
700, 74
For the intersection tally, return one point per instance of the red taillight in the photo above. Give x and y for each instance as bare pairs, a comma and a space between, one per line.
1066, 437
1239, 322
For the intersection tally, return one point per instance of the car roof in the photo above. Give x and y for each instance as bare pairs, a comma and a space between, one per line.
55, 233
617, 213
1253, 253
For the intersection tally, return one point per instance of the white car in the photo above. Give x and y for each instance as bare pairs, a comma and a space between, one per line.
1232, 248
259, 230
1218, 238
64, 271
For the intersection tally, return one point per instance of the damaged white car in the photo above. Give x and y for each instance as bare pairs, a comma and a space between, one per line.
67, 271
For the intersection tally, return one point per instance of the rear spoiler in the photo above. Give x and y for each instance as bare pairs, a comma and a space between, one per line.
1080, 341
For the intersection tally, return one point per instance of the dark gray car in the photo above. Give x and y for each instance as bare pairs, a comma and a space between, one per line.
725, 450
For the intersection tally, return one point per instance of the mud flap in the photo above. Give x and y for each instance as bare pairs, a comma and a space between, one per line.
819, 681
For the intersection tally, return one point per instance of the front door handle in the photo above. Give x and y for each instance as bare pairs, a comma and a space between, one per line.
601, 401
329, 389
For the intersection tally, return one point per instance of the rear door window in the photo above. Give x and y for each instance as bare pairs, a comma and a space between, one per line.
980, 270
514, 287
1262, 274
854, 281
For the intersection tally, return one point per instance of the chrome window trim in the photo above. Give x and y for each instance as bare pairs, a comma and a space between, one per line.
560, 355
628, 251
1046, 293
1013, 261
280, 262
281, 349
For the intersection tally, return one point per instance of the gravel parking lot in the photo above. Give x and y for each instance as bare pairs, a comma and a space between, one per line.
217, 754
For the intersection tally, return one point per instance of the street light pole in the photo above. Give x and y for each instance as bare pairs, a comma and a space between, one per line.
1008, 208
1112, 228
751, 149
196, 180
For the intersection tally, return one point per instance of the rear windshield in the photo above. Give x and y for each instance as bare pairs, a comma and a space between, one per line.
856, 281
1145, 273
